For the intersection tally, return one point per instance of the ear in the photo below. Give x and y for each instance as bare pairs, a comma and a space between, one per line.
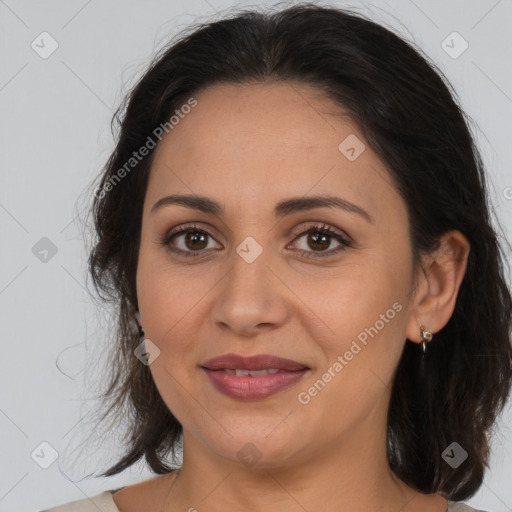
438, 284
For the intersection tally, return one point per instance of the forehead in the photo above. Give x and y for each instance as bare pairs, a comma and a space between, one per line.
258, 143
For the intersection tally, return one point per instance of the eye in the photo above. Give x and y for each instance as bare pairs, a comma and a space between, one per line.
319, 238
195, 240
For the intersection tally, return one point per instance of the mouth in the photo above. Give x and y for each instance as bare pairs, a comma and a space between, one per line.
255, 377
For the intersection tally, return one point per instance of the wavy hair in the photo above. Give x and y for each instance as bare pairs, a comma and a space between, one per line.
409, 115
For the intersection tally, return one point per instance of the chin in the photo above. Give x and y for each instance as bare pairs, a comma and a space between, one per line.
259, 450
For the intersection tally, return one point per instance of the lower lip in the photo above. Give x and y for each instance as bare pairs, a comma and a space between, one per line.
248, 387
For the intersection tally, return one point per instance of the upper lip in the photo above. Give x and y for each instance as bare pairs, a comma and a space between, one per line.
257, 362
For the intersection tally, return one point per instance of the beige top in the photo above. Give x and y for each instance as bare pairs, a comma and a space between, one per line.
104, 502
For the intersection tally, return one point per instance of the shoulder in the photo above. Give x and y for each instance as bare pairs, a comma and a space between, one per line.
104, 502
147, 494
459, 506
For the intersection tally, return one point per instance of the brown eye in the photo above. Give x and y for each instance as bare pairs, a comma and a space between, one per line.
195, 240
318, 241
319, 238
189, 240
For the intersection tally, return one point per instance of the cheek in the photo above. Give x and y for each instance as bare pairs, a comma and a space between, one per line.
167, 295
360, 356
363, 315
354, 297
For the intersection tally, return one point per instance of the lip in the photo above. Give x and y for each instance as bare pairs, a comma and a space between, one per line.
256, 362
251, 387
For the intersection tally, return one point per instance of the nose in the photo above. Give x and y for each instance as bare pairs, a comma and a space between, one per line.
251, 297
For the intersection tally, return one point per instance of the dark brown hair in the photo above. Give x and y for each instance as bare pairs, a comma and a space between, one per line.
410, 117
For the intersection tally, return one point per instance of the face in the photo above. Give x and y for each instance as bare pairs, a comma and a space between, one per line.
243, 280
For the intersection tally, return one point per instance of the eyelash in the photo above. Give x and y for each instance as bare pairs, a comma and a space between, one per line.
319, 229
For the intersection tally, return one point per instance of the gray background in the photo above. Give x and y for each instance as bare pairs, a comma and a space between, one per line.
55, 136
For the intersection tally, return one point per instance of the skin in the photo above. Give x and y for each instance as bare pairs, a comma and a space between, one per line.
249, 147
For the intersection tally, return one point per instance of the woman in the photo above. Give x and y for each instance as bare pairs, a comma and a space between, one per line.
295, 228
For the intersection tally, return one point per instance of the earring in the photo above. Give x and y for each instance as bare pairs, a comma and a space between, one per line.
426, 336
139, 325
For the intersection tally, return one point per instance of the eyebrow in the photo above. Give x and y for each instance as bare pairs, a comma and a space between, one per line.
283, 208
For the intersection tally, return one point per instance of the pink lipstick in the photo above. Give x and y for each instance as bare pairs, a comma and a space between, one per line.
253, 377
